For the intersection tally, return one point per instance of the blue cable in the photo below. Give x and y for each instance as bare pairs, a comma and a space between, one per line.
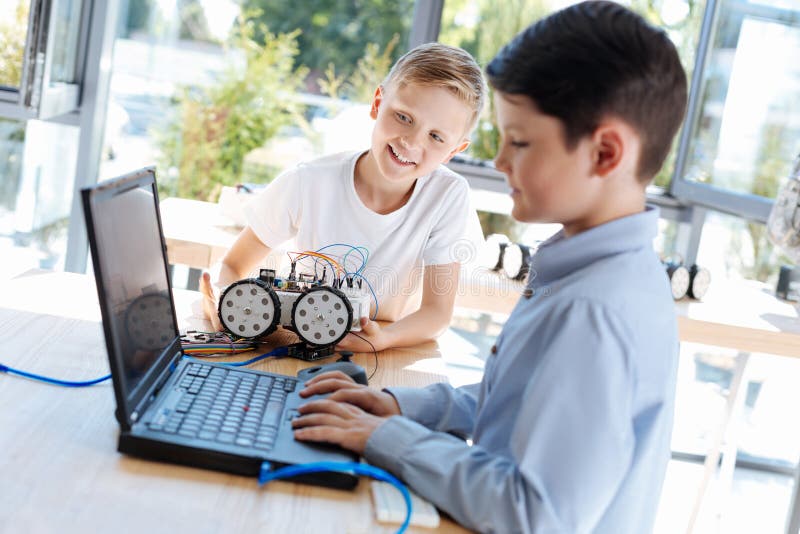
363, 259
54, 381
280, 351
374, 315
267, 475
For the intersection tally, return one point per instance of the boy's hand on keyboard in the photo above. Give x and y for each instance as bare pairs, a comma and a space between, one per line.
210, 301
342, 388
335, 422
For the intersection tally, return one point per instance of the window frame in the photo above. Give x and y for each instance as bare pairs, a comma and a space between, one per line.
37, 97
747, 206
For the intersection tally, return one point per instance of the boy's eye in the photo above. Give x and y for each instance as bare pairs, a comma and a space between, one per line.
437, 138
402, 117
518, 144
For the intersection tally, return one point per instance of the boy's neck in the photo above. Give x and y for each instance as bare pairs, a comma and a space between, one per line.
379, 195
613, 206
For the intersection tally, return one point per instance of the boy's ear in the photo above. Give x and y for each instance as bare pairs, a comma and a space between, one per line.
610, 146
460, 148
376, 102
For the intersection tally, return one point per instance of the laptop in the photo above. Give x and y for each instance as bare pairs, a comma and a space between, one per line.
171, 408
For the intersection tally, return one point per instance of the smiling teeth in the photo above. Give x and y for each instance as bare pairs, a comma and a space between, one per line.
398, 156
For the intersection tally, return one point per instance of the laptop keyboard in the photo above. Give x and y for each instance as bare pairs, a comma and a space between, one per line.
225, 405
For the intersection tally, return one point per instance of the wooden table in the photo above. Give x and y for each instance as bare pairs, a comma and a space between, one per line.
59, 469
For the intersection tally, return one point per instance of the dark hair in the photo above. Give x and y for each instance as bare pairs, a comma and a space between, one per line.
596, 59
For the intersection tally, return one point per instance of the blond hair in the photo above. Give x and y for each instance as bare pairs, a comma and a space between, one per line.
440, 65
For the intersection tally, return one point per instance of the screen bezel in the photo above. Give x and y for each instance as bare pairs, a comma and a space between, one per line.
128, 401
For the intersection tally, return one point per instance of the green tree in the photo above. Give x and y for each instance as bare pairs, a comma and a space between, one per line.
13, 34
216, 126
336, 32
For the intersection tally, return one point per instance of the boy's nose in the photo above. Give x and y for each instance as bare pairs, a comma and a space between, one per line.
411, 140
501, 163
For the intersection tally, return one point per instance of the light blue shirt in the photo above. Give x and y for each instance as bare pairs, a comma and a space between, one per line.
571, 423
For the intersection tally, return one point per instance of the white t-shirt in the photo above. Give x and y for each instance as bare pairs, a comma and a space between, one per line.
316, 204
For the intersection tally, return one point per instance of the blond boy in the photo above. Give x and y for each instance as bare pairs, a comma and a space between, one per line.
396, 199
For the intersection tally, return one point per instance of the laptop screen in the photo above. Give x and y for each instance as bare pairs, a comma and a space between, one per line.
132, 278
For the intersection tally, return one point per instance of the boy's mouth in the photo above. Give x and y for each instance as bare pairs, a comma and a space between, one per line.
400, 160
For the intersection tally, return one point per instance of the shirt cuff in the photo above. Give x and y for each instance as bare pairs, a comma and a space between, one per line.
387, 445
420, 405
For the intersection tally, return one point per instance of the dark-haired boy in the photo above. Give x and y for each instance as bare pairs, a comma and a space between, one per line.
571, 423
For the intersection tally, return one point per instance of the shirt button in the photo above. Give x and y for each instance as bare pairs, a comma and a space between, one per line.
528, 293
494, 349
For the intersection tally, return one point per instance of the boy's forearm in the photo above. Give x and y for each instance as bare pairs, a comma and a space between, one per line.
226, 275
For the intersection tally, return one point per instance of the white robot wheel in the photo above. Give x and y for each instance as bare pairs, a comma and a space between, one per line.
249, 309
322, 316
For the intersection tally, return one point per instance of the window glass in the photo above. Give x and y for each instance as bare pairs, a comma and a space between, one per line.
483, 26
733, 248
67, 31
13, 33
217, 92
37, 173
762, 430
748, 131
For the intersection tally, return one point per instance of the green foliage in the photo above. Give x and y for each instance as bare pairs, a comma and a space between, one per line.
215, 127
371, 69
334, 31
12, 45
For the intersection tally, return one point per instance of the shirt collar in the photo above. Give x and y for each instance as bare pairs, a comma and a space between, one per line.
559, 255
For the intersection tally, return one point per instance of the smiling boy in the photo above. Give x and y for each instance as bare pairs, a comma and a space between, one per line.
395, 199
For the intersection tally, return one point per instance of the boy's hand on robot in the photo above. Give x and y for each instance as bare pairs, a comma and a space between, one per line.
210, 301
370, 331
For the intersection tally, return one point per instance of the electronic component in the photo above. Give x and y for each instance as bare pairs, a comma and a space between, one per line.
320, 314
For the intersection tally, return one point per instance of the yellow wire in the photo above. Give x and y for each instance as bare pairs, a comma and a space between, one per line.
318, 255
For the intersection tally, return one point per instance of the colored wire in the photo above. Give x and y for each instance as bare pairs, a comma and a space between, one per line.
267, 475
54, 381
216, 349
374, 353
331, 261
363, 251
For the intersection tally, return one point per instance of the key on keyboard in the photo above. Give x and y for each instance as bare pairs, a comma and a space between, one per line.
390, 506
228, 406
